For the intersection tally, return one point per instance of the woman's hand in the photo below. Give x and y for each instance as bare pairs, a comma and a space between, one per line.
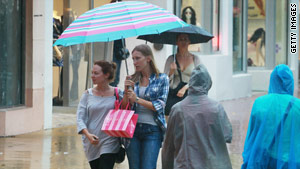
131, 96
182, 91
128, 83
93, 139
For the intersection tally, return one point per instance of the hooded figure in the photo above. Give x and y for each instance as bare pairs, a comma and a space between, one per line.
273, 137
198, 129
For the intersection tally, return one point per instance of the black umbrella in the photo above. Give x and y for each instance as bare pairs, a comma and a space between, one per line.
195, 33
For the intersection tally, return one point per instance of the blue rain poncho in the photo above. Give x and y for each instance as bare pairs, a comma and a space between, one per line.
273, 139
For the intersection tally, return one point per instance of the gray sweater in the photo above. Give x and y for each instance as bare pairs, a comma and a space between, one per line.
91, 113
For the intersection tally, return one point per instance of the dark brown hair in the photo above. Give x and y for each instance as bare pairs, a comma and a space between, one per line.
146, 51
107, 67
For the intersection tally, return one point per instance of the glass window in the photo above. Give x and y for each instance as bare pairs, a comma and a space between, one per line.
216, 20
281, 32
204, 14
256, 33
12, 53
70, 69
237, 35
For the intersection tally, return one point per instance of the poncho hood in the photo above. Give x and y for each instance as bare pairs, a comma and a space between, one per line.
200, 81
281, 81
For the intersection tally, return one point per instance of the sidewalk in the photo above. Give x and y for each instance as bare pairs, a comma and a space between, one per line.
61, 147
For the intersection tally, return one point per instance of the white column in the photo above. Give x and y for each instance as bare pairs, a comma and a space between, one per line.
42, 54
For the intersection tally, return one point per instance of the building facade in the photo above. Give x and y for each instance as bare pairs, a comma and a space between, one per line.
251, 37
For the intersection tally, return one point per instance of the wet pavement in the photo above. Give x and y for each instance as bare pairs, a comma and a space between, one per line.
61, 148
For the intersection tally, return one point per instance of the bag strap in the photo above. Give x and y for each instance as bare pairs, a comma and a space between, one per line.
178, 69
117, 102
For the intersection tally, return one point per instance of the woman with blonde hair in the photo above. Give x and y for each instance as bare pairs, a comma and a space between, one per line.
147, 91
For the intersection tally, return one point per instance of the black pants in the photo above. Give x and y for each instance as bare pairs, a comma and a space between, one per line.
105, 161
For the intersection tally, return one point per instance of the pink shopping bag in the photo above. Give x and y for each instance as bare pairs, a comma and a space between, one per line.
120, 122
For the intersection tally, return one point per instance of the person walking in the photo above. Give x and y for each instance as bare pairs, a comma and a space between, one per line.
272, 139
147, 90
179, 68
95, 103
198, 129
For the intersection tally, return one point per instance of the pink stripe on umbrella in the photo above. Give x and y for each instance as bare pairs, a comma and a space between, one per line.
115, 22
118, 28
117, 17
113, 12
112, 6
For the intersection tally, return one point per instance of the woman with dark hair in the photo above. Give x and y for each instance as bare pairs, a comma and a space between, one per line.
147, 91
180, 67
189, 15
258, 38
100, 148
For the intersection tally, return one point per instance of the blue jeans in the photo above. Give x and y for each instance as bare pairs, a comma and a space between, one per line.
144, 147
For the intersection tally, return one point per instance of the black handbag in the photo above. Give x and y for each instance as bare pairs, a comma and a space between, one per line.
120, 155
172, 96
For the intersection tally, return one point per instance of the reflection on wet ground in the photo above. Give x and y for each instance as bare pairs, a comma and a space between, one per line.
57, 148
61, 148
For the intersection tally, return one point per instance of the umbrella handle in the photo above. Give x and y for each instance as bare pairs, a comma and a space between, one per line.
124, 46
126, 67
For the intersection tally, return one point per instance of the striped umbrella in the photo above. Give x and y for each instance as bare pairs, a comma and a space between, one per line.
117, 21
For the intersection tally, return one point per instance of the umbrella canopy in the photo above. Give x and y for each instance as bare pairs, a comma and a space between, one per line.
119, 20
195, 33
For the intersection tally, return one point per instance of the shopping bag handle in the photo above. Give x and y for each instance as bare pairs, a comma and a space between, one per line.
117, 103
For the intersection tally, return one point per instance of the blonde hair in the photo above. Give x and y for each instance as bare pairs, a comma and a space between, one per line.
146, 51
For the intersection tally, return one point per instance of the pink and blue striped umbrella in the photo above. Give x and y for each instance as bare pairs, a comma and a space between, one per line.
119, 20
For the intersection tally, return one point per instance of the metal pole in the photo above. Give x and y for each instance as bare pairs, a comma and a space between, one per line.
123, 44
91, 56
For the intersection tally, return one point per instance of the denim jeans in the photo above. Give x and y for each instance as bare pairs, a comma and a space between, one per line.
144, 147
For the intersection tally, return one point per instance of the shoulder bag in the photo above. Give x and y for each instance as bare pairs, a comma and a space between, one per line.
172, 96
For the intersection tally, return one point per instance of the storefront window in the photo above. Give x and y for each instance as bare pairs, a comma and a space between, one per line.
237, 35
204, 14
70, 72
256, 33
281, 32
12, 53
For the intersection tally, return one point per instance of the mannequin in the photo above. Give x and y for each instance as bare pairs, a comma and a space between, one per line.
258, 40
75, 57
189, 16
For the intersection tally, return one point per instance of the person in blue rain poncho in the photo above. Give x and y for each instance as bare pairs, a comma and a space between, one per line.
273, 137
